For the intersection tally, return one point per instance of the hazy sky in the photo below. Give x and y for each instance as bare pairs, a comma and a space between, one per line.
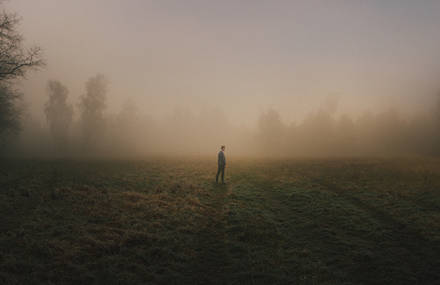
239, 56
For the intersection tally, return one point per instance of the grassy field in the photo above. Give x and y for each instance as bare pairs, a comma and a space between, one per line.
361, 221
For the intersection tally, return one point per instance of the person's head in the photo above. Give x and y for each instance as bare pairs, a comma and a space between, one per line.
222, 147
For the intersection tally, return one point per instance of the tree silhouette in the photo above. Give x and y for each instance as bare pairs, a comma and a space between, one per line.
92, 106
272, 132
15, 61
9, 112
59, 114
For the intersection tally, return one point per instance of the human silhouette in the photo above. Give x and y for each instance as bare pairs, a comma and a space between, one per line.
221, 164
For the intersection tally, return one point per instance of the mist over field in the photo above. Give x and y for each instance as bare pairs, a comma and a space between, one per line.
114, 116
286, 79
321, 133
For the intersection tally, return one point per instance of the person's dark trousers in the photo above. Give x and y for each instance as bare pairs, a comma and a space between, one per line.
221, 169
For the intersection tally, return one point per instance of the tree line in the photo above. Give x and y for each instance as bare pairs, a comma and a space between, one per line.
96, 132
324, 133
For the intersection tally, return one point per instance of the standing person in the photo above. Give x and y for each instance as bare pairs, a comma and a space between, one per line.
221, 164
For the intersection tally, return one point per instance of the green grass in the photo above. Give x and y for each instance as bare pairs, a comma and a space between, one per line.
355, 221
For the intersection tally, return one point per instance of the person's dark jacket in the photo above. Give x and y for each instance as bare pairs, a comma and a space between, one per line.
221, 159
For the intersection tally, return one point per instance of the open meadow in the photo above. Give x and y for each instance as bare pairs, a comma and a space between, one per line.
165, 221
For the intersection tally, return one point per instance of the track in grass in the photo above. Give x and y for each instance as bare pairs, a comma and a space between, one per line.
274, 222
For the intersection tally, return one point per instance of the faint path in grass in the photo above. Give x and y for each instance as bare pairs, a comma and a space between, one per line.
423, 257
280, 250
331, 231
166, 222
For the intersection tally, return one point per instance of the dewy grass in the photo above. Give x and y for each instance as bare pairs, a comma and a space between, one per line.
166, 222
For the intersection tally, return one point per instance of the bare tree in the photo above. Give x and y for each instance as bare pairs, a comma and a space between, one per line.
58, 112
9, 111
92, 106
15, 59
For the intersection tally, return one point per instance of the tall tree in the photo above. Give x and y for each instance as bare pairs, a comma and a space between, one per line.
58, 112
92, 106
9, 111
15, 61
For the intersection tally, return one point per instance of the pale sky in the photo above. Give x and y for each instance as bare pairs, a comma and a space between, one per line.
239, 56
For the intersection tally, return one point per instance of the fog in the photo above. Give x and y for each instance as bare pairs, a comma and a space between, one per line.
265, 78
